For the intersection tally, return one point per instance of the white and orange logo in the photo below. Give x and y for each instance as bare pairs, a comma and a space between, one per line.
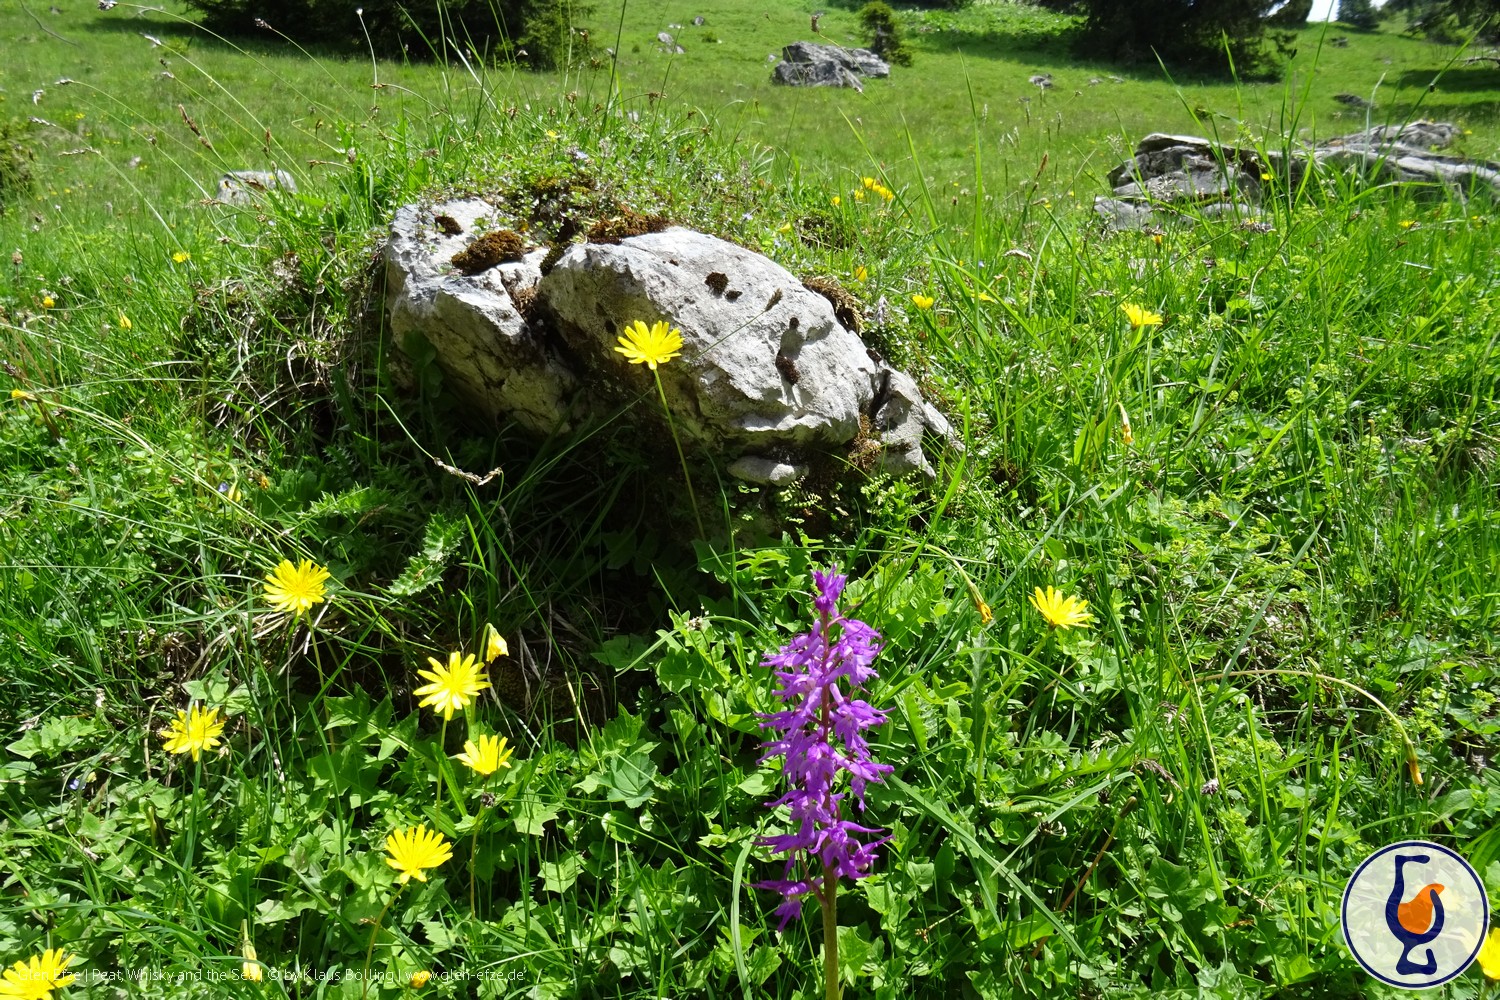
1415, 914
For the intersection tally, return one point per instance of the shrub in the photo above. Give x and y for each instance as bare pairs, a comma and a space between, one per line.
15, 163
548, 30
1360, 14
1210, 37
884, 33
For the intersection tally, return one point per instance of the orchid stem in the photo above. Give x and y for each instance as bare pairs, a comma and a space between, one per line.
829, 899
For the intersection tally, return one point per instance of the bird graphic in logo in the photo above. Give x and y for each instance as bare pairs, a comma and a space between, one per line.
1417, 921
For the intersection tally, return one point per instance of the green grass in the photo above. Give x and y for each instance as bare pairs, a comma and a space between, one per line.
1167, 803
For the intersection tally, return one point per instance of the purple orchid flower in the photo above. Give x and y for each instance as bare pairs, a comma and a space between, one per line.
820, 737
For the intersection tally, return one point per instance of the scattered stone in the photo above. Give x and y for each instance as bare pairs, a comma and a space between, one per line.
1354, 101
503, 246
1191, 177
766, 471
244, 187
1041, 80
809, 64
769, 378
699, 21
1341, 42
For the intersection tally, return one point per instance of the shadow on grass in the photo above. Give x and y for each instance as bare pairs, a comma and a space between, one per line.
1465, 79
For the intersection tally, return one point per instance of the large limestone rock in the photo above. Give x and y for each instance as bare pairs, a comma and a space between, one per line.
769, 377
808, 64
1187, 176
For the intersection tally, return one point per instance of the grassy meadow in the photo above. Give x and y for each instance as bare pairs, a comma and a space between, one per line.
1279, 503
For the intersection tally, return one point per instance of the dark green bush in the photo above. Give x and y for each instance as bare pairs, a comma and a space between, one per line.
883, 33
539, 33
1207, 37
15, 163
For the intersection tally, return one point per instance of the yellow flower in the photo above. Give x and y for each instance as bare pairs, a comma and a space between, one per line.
552, 134
922, 301
785, 227
1407, 223
415, 850
1125, 433
652, 347
48, 302
1489, 956
1156, 238
250, 968
419, 979
35, 980
123, 322
868, 182
837, 201
1060, 611
1140, 317
453, 686
986, 297
861, 273
486, 757
859, 196
193, 732
1266, 175
494, 644
182, 256
884, 192
21, 395
297, 588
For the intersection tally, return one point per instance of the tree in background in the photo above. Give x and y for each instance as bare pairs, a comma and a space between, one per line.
1450, 20
1359, 14
1205, 35
542, 34
883, 33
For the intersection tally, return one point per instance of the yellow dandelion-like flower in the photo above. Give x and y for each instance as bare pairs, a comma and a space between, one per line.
296, 589
48, 302
861, 273
884, 192
922, 301
1140, 317
1489, 956
453, 686
37, 978
837, 201
1061, 611
1156, 238
123, 322
182, 257
419, 979
22, 396
1407, 223
193, 731
985, 297
859, 196
486, 756
494, 644
868, 182
411, 852
650, 347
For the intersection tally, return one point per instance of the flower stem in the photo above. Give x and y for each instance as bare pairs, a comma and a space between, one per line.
671, 426
364, 974
474, 850
829, 899
442, 755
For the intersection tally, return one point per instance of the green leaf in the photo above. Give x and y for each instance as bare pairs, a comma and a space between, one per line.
630, 777
531, 815
425, 569
55, 736
559, 876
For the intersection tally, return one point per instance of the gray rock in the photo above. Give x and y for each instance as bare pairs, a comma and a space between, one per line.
766, 471
482, 343
245, 187
1177, 176
809, 64
766, 368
